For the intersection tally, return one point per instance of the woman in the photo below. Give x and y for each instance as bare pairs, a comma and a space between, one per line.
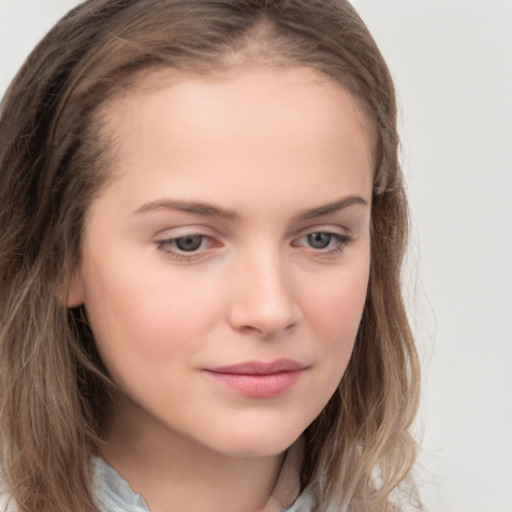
203, 223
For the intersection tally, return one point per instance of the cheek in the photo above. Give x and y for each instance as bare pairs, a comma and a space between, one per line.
336, 306
145, 316
334, 314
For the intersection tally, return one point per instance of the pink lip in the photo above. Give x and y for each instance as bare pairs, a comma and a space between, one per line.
257, 379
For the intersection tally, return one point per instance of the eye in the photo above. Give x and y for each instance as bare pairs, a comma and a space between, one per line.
323, 242
187, 246
189, 243
319, 240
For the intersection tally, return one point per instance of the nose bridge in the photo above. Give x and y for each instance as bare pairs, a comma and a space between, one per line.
264, 301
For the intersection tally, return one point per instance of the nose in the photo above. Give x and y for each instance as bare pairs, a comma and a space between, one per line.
262, 297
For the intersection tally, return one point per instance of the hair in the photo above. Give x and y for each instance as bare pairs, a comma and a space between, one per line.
54, 159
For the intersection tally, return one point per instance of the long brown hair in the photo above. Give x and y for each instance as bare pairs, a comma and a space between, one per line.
54, 159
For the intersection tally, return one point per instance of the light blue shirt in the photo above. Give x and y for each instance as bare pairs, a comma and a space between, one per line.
115, 495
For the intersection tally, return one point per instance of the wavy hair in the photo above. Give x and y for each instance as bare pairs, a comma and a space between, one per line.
54, 159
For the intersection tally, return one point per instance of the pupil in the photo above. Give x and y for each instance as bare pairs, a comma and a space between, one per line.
189, 243
319, 240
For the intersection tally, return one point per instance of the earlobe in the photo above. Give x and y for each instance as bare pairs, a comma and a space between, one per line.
75, 295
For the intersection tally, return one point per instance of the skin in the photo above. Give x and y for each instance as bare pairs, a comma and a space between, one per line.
266, 149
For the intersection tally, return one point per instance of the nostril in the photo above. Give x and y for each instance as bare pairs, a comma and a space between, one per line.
256, 331
262, 333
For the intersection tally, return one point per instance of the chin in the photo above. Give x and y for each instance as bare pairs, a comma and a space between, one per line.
261, 443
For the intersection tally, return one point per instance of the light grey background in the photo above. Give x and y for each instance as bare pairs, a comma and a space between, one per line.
452, 62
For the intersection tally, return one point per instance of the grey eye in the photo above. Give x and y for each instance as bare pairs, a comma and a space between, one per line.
189, 243
319, 240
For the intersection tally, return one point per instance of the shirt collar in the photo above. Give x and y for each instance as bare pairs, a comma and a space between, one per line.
115, 495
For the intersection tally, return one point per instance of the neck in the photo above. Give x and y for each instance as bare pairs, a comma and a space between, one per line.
173, 473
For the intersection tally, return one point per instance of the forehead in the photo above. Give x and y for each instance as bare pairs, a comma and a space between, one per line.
248, 123
246, 84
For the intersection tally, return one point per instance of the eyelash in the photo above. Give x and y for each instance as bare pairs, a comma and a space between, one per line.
167, 245
340, 242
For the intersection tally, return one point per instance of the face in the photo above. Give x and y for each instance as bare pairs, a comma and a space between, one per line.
225, 267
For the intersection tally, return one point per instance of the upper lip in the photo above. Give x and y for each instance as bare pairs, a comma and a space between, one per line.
259, 367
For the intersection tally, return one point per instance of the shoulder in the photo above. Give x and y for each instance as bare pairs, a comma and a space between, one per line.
306, 502
6, 504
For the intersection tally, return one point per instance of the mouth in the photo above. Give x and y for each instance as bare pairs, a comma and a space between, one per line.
258, 379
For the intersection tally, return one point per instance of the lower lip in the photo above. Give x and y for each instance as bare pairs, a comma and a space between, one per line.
258, 386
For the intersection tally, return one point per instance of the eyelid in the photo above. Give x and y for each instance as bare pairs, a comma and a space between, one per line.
333, 229
182, 230
341, 236
165, 239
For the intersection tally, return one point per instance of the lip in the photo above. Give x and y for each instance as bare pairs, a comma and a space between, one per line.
258, 379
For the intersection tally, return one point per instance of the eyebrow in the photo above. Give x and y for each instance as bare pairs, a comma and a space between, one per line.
331, 207
210, 210
188, 207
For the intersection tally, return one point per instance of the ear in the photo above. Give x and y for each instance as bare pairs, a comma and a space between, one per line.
75, 296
